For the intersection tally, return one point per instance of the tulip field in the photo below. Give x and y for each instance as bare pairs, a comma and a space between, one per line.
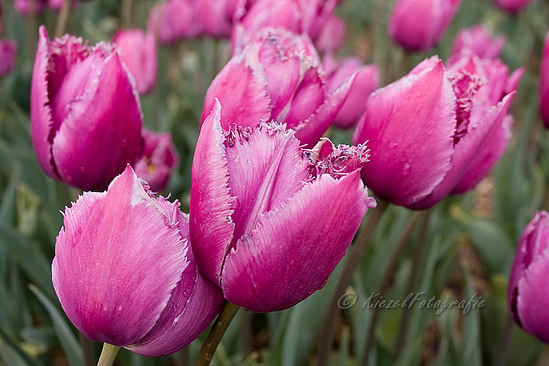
274, 182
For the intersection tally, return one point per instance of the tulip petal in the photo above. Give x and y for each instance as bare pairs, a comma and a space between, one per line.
265, 168
76, 138
294, 248
307, 99
312, 129
242, 92
211, 208
413, 161
41, 115
194, 303
96, 254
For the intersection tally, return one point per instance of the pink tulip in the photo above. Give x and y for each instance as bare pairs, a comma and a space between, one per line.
138, 52
8, 50
417, 25
331, 36
269, 221
512, 6
158, 161
544, 83
250, 87
436, 131
125, 274
23, 7
85, 114
527, 294
479, 41
366, 81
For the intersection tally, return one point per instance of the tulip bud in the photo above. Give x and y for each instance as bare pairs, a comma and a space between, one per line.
544, 83
85, 114
250, 87
479, 41
527, 296
8, 49
269, 221
125, 274
417, 25
138, 52
512, 6
25, 7
436, 131
366, 81
158, 161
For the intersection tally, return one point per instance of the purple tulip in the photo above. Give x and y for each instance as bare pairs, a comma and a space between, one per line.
124, 270
85, 113
479, 41
544, 83
366, 81
250, 87
158, 161
8, 50
512, 6
269, 221
417, 25
436, 131
527, 295
138, 52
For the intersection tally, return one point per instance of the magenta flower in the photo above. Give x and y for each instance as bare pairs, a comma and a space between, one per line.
8, 50
331, 36
85, 114
479, 41
366, 81
138, 52
268, 220
124, 270
512, 6
544, 83
527, 295
436, 131
250, 87
417, 25
158, 161
24, 7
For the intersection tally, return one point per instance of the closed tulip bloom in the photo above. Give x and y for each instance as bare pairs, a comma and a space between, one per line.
158, 161
366, 81
138, 52
8, 50
479, 41
125, 274
527, 295
436, 130
269, 221
85, 114
331, 36
544, 83
25, 7
250, 87
512, 6
417, 25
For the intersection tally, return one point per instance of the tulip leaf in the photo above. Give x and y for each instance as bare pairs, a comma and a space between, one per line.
66, 337
13, 355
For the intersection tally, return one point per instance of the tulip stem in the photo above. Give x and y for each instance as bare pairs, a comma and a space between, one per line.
108, 354
62, 18
386, 283
505, 342
353, 259
216, 333
416, 261
126, 13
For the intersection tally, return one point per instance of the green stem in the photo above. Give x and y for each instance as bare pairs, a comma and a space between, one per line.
108, 354
62, 18
126, 13
354, 256
505, 342
386, 283
416, 261
216, 333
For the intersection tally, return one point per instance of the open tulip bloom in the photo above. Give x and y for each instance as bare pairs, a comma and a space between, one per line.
85, 114
269, 221
437, 131
125, 274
